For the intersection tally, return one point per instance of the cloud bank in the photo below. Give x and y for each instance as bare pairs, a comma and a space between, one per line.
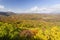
50, 9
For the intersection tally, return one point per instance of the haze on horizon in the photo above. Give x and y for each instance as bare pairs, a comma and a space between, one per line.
30, 6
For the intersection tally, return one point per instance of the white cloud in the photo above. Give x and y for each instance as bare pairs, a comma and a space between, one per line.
50, 9
35, 9
1, 7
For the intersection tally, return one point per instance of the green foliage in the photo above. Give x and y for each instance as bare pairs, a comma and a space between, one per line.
29, 30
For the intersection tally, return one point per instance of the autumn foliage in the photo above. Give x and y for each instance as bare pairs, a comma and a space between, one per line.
17, 27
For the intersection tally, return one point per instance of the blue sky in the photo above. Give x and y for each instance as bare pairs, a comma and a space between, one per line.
30, 5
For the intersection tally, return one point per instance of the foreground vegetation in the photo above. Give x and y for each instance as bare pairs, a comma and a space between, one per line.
29, 28
27, 31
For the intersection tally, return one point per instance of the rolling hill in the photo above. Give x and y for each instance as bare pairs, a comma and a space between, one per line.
30, 16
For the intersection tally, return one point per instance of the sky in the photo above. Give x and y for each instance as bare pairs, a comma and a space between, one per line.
30, 6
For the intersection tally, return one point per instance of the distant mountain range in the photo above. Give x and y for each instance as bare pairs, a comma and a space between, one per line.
52, 17
7, 13
12, 13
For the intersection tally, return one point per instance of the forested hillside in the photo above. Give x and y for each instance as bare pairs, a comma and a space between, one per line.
36, 26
